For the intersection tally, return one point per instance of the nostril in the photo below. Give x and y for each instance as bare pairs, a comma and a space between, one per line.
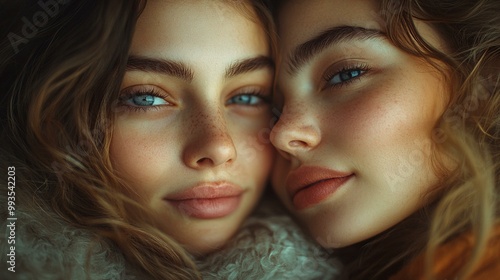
204, 162
297, 144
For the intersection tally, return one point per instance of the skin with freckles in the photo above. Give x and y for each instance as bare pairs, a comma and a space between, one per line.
354, 104
193, 109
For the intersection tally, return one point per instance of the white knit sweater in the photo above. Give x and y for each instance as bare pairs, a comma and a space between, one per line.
268, 246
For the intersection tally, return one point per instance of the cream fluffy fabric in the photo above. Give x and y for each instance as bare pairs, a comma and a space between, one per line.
47, 248
269, 246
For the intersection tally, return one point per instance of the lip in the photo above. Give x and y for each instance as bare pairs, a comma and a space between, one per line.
309, 185
207, 200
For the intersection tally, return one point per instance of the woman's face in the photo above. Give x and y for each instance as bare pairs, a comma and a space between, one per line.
193, 116
356, 130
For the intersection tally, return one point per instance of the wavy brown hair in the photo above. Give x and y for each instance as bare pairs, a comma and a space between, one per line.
60, 88
467, 200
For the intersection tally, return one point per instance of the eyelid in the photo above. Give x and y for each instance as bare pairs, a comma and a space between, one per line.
343, 65
138, 90
143, 89
336, 69
259, 91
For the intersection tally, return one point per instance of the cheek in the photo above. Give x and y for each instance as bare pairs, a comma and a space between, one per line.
255, 153
388, 132
264, 166
278, 178
250, 135
392, 117
140, 156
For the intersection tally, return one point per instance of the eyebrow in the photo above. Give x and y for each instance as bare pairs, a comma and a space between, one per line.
182, 71
161, 66
249, 65
306, 51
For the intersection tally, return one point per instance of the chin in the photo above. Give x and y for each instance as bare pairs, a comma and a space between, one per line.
205, 240
329, 241
332, 238
203, 247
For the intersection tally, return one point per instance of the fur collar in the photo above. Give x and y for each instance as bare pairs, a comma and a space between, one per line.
48, 248
269, 246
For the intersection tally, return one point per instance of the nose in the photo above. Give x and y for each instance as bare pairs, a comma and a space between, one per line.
295, 132
209, 142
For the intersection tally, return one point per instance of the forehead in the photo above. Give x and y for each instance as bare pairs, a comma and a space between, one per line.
173, 25
300, 20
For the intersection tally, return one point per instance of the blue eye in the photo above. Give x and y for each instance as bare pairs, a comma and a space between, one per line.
144, 100
246, 99
346, 75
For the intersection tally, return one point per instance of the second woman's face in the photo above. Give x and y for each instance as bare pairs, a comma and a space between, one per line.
190, 130
356, 130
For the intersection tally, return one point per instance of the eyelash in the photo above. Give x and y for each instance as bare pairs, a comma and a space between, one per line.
142, 91
363, 68
154, 92
265, 99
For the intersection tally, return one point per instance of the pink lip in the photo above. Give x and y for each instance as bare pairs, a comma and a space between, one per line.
309, 185
207, 200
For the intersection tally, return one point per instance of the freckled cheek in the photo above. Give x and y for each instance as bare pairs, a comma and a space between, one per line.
140, 156
263, 166
280, 171
252, 131
353, 124
377, 122
254, 150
